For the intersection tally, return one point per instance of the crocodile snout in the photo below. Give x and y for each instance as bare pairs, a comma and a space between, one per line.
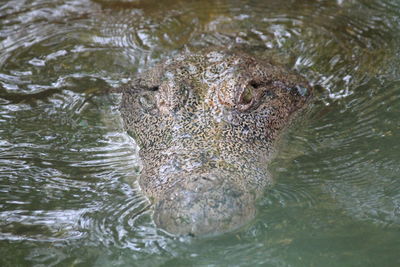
210, 207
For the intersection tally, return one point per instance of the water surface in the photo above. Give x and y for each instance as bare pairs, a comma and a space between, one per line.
68, 171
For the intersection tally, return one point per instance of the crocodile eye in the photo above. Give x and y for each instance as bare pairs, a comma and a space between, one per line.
249, 92
247, 95
146, 102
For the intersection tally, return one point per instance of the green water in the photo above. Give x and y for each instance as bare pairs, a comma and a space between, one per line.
68, 191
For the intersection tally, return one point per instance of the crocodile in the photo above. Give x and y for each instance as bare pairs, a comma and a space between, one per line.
207, 125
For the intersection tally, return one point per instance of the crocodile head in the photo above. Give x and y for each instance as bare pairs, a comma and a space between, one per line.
206, 125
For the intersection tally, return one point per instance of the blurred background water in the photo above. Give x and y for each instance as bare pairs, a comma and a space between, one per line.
68, 189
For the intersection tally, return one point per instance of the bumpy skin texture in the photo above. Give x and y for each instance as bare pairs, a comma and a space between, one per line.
206, 124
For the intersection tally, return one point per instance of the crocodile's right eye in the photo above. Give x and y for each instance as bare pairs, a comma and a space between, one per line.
147, 102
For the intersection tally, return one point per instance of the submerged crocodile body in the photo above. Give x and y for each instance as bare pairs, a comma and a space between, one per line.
206, 125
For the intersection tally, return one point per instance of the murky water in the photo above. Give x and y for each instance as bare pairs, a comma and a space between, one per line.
68, 192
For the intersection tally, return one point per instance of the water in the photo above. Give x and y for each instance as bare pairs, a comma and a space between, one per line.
68, 189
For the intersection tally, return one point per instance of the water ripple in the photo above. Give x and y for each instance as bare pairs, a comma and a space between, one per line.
68, 172
356, 144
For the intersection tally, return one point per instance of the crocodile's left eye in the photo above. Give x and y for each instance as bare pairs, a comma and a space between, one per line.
250, 96
247, 95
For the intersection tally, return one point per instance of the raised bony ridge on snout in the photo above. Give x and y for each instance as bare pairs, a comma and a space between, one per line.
206, 125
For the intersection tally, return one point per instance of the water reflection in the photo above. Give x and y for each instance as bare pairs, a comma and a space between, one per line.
67, 169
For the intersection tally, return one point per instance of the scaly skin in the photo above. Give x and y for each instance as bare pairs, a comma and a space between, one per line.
206, 125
